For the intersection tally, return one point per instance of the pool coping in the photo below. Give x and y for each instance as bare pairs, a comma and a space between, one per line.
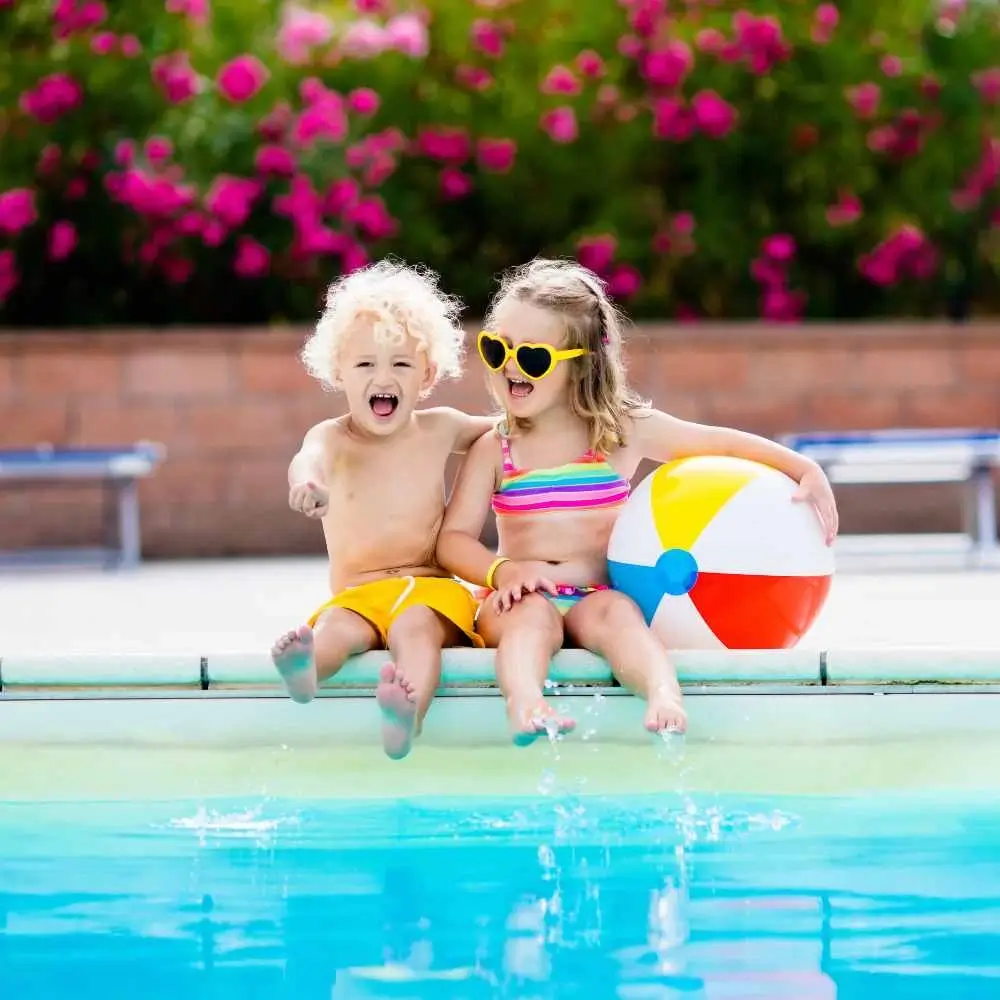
469, 672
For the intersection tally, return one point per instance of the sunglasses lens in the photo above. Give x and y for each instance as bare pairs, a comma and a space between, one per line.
535, 362
494, 352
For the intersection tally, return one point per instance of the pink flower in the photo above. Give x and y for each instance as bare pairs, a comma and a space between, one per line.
274, 125
864, 99
156, 196
891, 65
906, 253
496, 155
353, 258
597, 252
364, 39
487, 38
53, 97
242, 78
230, 199
62, 240
560, 124
370, 6
445, 144
672, 120
301, 31
275, 161
372, 218
630, 47
590, 64
197, 10
326, 119
301, 202
124, 154
341, 195
130, 46
17, 210
190, 224
780, 247
9, 277
624, 282
253, 259
759, 41
159, 149
825, 20
710, 41
177, 270
669, 66
49, 159
845, 211
473, 77
644, 15
683, 223
455, 184
781, 305
174, 76
103, 43
713, 115
75, 16
76, 189
363, 101
560, 80
988, 84
213, 233
407, 33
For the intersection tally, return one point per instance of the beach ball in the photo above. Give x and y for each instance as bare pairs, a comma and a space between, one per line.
718, 556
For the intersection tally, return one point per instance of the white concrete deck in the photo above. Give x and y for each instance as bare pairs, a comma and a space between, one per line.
240, 605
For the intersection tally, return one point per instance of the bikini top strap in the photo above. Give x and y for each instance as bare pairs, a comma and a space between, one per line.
508, 462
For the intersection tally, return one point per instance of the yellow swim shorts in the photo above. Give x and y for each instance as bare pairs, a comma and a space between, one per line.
381, 602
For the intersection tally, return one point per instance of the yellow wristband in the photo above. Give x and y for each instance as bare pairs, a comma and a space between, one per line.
492, 571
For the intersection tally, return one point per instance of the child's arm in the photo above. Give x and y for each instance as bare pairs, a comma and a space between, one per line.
307, 473
466, 428
662, 438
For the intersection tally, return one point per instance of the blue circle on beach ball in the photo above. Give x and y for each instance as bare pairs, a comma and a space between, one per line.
677, 571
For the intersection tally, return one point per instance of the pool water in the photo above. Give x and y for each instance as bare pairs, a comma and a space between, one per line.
551, 894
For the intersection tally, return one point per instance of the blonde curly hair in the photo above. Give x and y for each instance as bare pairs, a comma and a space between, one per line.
599, 389
400, 300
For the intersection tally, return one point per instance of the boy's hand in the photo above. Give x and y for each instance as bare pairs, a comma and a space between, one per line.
815, 488
309, 499
515, 579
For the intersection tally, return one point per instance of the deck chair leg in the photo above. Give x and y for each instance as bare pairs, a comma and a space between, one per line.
129, 536
986, 514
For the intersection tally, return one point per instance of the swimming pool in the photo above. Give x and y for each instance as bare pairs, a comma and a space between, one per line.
802, 843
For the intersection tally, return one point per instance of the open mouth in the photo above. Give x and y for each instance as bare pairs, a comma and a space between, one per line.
519, 388
383, 404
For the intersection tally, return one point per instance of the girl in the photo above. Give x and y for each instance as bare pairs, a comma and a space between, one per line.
556, 473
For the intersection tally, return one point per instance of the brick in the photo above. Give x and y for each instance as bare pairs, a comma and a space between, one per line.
187, 487
907, 367
800, 370
686, 367
67, 372
123, 421
163, 371
26, 424
268, 371
980, 363
258, 484
7, 379
842, 410
969, 407
767, 415
261, 425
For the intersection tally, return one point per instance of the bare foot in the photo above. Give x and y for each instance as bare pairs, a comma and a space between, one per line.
396, 698
664, 710
533, 718
293, 657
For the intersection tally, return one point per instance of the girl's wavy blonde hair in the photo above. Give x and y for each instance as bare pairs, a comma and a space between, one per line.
400, 301
599, 389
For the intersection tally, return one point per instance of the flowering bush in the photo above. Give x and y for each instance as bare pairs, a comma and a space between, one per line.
189, 161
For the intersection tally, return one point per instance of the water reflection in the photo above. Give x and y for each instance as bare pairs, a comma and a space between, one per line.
634, 899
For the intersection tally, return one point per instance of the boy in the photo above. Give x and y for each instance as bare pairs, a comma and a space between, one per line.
375, 478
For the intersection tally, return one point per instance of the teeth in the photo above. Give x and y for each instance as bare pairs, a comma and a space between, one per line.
383, 395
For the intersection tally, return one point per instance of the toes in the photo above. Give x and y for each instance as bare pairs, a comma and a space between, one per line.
387, 674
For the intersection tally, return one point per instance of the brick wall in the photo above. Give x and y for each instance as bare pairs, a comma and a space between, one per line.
231, 407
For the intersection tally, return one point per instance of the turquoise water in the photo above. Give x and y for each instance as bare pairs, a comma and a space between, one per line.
548, 895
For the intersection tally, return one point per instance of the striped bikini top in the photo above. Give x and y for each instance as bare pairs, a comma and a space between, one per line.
590, 483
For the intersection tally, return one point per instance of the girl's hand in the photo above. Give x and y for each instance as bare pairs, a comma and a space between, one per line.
310, 499
815, 488
515, 579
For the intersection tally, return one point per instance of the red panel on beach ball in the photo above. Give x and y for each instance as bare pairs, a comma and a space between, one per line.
759, 612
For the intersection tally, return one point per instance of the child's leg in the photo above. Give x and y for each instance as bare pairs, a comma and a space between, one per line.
408, 684
610, 624
526, 638
305, 657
